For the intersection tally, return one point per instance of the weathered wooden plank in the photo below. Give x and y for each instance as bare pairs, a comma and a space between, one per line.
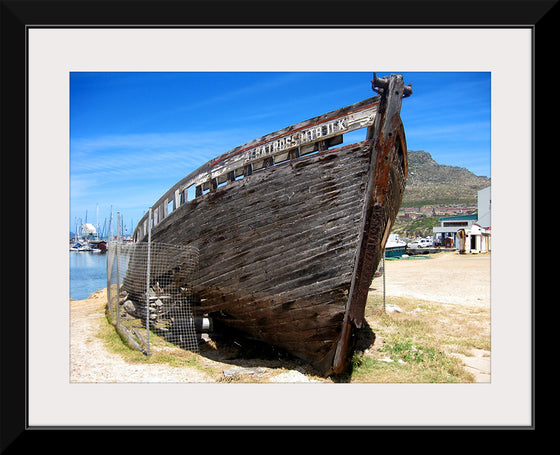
248, 205
349, 118
335, 233
228, 267
305, 270
287, 253
333, 224
257, 220
248, 213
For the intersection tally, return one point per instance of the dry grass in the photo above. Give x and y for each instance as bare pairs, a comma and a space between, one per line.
428, 342
418, 344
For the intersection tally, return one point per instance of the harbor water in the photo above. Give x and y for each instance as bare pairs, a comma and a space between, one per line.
88, 273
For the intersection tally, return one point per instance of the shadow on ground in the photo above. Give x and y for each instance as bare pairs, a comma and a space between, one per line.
238, 351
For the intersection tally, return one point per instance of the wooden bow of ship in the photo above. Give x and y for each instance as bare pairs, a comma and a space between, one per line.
290, 228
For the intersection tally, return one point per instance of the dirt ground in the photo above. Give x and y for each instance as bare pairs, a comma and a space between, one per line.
450, 278
445, 277
92, 362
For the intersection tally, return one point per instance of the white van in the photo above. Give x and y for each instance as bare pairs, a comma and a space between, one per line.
421, 243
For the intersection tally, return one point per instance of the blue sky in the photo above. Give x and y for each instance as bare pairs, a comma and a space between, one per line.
134, 135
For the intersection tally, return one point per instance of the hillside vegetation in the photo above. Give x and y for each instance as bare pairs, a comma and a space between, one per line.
433, 184
421, 227
430, 183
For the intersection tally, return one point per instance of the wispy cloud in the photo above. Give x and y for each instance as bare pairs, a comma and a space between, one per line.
130, 152
133, 170
249, 91
449, 132
231, 96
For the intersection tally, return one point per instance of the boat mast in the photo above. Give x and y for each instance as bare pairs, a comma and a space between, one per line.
97, 223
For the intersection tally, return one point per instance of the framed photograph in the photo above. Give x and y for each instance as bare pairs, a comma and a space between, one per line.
50, 47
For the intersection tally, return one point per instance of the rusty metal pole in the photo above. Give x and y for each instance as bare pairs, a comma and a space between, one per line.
383, 280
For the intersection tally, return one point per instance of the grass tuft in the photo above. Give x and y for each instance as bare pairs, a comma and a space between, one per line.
418, 344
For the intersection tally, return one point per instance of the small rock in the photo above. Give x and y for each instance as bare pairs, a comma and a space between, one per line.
393, 309
290, 376
230, 372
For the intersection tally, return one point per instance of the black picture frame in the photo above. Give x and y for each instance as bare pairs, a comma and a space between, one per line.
20, 16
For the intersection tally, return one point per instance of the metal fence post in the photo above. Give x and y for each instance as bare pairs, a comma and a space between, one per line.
109, 269
148, 283
118, 275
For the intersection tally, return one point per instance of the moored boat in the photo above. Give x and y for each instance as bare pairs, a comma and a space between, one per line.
290, 227
80, 246
395, 246
98, 246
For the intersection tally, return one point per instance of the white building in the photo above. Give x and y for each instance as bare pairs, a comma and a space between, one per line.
477, 240
467, 233
88, 229
446, 234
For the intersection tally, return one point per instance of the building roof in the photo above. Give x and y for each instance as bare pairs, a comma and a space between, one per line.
473, 216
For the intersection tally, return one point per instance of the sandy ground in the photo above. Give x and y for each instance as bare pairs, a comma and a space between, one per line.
446, 278
90, 361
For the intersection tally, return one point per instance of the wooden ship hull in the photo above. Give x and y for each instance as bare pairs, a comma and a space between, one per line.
290, 228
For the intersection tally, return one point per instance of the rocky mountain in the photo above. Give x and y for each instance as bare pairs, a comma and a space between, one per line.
430, 183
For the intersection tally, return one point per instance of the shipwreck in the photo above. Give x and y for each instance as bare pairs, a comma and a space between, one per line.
290, 227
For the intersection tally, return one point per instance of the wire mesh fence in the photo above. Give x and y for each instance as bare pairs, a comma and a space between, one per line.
150, 290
